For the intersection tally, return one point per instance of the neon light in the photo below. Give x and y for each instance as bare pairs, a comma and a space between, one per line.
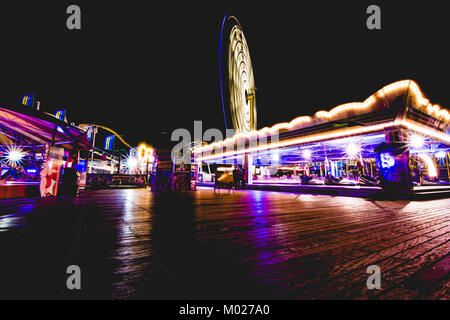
352, 150
417, 141
432, 171
132, 162
224, 169
424, 130
145, 154
275, 157
440, 155
347, 180
14, 155
335, 135
306, 154
345, 110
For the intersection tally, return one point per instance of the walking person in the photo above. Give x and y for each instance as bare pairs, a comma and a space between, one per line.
70, 182
235, 178
243, 177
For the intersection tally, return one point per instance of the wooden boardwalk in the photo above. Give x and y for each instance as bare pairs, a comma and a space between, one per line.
246, 244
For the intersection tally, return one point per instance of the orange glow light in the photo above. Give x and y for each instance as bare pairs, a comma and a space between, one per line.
145, 153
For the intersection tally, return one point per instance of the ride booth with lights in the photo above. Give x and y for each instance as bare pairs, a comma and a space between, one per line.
35, 147
395, 141
170, 176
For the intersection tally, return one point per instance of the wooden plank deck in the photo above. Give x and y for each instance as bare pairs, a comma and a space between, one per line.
203, 245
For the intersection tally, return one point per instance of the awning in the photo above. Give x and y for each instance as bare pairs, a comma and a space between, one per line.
39, 128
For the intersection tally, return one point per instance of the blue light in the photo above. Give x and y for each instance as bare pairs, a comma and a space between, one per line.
387, 160
31, 170
81, 166
220, 70
60, 129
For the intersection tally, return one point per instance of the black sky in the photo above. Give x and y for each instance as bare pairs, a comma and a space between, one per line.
142, 68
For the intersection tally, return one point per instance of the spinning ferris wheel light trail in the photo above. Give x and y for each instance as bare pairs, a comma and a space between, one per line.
240, 80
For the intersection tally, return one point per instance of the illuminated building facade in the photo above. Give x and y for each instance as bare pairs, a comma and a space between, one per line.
395, 139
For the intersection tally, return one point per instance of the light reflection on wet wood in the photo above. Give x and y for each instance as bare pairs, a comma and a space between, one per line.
246, 244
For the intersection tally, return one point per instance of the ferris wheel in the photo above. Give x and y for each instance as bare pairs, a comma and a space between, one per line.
241, 83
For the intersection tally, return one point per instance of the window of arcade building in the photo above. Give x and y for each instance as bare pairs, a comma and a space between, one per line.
357, 160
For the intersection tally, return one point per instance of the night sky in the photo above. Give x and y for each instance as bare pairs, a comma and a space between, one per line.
143, 69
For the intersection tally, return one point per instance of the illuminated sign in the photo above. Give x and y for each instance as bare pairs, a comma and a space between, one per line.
109, 142
60, 114
27, 100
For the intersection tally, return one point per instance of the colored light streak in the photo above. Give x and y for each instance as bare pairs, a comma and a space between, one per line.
371, 104
275, 181
304, 140
275, 157
348, 181
224, 169
335, 135
241, 80
103, 167
432, 171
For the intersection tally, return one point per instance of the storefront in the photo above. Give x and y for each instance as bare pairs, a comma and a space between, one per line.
34, 147
396, 139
